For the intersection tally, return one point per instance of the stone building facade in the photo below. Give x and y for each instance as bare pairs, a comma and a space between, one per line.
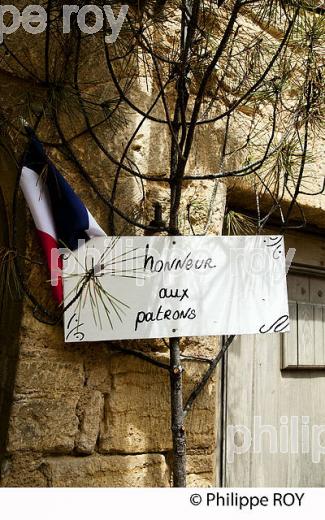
89, 415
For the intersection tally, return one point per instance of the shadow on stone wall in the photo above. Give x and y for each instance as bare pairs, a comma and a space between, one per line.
10, 303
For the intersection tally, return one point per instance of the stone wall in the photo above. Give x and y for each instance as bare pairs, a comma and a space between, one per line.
89, 415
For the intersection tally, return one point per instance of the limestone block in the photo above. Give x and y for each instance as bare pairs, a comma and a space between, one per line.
36, 336
89, 411
48, 425
48, 376
22, 470
200, 346
137, 410
149, 470
98, 374
200, 428
202, 480
201, 470
136, 417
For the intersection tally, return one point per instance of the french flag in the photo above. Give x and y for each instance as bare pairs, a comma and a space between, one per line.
61, 219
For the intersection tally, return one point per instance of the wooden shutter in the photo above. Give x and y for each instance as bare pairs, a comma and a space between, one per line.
304, 346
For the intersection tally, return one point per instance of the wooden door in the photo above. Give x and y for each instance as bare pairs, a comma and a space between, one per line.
274, 404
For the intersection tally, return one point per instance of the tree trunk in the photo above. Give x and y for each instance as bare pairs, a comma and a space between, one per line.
177, 415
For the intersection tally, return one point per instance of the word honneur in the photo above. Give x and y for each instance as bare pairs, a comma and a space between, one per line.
34, 19
187, 263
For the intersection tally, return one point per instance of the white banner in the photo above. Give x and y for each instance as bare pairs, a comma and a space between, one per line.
153, 287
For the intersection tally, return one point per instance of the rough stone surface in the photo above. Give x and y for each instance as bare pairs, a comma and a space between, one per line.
47, 425
201, 470
89, 411
141, 422
22, 470
149, 470
98, 374
132, 423
39, 376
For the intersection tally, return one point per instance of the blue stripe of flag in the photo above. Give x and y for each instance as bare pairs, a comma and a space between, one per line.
69, 213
